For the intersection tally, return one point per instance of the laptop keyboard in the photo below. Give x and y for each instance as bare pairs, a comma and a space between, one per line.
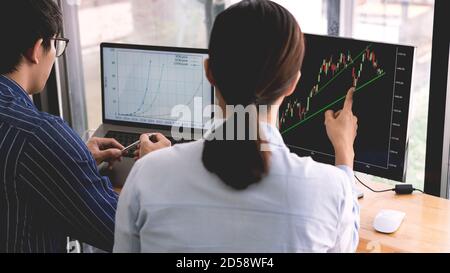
126, 139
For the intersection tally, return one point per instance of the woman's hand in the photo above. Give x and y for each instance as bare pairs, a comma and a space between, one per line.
149, 144
341, 130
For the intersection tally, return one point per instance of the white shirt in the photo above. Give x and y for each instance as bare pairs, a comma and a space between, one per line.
172, 203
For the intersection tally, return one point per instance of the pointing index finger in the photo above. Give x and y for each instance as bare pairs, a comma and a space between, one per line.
348, 103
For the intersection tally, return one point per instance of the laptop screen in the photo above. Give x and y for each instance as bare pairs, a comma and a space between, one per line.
143, 84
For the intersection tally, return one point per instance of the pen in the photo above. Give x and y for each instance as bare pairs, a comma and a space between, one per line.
134, 144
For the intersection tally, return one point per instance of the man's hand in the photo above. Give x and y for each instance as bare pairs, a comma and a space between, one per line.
158, 141
105, 150
341, 130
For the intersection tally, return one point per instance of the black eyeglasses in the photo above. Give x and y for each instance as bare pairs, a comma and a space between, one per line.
60, 45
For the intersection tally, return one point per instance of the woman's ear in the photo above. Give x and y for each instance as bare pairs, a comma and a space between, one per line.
209, 75
293, 85
34, 53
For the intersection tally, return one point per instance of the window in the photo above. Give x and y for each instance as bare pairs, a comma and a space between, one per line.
405, 22
156, 22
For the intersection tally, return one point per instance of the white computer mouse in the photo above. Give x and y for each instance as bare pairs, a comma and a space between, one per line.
388, 221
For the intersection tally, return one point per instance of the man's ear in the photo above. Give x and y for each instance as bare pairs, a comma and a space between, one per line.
33, 54
293, 85
209, 75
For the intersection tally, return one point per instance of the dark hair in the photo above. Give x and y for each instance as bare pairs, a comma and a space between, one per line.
255, 52
22, 23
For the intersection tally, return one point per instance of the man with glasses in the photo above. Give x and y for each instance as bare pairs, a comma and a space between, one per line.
60, 45
50, 187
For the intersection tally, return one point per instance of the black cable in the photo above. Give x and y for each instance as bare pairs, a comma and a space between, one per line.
399, 188
371, 188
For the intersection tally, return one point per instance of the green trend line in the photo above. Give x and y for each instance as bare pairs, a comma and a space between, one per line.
340, 72
331, 104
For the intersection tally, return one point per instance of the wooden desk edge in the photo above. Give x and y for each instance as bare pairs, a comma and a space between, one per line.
426, 227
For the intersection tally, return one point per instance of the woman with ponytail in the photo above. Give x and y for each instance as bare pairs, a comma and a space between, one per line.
232, 192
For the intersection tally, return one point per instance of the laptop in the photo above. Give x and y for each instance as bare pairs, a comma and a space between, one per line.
141, 86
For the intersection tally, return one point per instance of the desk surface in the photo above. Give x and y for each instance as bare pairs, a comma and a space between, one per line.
426, 227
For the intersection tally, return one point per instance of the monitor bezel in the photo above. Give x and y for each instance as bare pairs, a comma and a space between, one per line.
148, 48
395, 174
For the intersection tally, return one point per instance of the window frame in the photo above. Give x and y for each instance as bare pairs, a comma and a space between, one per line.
437, 149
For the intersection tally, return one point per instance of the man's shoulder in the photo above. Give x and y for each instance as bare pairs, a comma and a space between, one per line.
43, 130
18, 115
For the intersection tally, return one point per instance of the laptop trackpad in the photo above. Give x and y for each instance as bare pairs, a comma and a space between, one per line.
119, 173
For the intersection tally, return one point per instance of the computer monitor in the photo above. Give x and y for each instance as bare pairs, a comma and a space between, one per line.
381, 74
142, 84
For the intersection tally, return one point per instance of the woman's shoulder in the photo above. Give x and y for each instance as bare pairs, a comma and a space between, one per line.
303, 166
172, 157
160, 172
303, 170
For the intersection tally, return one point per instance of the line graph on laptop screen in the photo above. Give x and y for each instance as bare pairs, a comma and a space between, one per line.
144, 86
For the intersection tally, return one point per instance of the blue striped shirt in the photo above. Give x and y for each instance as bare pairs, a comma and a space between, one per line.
50, 187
